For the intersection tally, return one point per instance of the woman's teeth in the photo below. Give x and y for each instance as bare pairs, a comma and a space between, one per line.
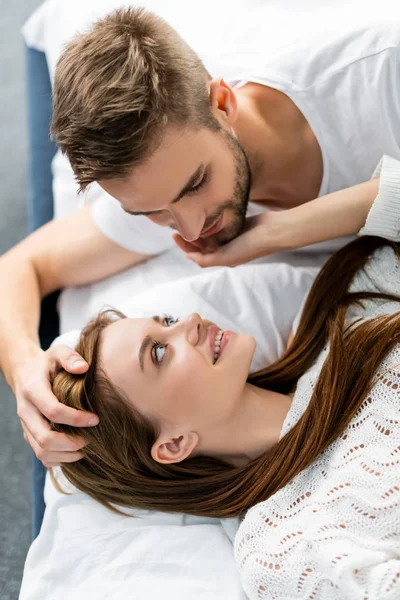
217, 345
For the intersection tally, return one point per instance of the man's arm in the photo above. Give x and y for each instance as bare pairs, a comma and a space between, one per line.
68, 252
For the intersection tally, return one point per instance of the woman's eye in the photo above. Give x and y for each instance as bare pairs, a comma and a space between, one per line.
159, 352
170, 320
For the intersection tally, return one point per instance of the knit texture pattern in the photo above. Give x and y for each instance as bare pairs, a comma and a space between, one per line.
333, 532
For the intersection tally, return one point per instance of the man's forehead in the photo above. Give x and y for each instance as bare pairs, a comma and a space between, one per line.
160, 179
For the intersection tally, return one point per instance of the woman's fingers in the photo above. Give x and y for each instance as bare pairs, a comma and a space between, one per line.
194, 246
252, 243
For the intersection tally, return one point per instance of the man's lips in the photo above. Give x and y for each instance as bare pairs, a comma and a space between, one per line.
213, 229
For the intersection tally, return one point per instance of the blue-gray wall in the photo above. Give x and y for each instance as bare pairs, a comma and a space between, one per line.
15, 500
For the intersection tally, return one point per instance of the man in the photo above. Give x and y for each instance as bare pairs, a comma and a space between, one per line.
135, 110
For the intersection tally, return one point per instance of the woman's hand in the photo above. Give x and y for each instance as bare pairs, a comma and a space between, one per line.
325, 218
35, 401
260, 237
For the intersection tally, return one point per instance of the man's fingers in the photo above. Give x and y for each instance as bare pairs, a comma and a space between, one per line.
39, 429
55, 411
50, 458
70, 360
41, 436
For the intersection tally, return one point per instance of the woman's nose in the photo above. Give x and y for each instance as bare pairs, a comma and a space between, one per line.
193, 325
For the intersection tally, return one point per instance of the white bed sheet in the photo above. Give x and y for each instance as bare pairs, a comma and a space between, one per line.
85, 552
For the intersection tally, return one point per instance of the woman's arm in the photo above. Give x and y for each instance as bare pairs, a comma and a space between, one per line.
370, 208
334, 215
327, 217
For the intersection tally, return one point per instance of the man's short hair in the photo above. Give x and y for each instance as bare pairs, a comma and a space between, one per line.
118, 86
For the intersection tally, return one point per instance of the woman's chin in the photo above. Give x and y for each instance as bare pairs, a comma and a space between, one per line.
242, 352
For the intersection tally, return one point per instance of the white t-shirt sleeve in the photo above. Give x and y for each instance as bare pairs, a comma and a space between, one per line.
135, 233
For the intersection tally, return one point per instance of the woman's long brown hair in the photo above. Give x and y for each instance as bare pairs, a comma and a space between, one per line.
118, 468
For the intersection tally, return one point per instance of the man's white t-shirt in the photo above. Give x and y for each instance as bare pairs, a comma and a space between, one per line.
347, 85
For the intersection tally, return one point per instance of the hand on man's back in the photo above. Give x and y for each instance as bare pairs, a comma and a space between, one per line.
37, 405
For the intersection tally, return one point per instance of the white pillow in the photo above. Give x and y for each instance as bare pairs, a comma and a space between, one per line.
260, 299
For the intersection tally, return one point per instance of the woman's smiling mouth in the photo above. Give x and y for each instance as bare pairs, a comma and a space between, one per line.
217, 345
214, 336
218, 340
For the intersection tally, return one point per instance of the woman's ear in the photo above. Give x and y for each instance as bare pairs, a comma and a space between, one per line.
174, 449
223, 98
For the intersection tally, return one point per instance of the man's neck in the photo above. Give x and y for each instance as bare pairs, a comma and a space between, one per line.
284, 155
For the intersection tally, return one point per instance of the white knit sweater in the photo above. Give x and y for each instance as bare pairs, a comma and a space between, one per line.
334, 531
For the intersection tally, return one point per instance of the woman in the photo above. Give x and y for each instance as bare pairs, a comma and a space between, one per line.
183, 428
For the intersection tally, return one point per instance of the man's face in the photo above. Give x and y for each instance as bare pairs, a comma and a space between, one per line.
197, 182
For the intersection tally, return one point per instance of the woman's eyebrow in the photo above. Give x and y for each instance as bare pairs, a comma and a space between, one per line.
146, 343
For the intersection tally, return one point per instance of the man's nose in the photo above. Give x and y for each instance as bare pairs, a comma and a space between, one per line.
189, 223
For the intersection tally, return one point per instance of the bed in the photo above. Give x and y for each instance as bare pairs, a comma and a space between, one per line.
81, 550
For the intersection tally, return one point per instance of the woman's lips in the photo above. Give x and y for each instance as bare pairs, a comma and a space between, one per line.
226, 336
214, 229
212, 332
224, 341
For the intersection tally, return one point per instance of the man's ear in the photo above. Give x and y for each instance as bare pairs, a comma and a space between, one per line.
174, 449
223, 98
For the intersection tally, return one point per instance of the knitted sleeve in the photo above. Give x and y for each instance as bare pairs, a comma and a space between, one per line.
384, 217
382, 270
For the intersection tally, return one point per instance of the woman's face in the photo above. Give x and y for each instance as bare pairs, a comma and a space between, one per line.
173, 371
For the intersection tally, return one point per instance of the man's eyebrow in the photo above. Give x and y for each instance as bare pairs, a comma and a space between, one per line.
186, 188
145, 344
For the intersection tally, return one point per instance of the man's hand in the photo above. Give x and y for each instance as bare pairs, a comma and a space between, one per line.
35, 400
259, 238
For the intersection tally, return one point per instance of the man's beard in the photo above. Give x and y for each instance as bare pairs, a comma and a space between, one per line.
241, 194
